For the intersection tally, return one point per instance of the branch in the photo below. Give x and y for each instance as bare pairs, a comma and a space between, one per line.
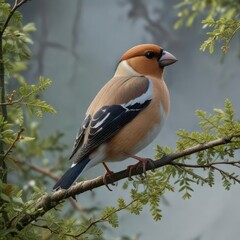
16, 5
54, 177
213, 166
47, 173
49, 201
13, 145
209, 165
104, 218
226, 174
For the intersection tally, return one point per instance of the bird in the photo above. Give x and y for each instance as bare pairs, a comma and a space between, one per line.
126, 115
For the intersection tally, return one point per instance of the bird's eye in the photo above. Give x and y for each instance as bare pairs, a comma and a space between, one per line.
149, 54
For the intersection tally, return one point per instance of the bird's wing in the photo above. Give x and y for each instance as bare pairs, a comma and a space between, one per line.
130, 99
80, 135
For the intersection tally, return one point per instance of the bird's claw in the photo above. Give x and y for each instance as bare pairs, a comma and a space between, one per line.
108, 175
143, 162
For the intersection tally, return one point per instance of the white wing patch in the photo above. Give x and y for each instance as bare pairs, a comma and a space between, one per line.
141, 99
99, 123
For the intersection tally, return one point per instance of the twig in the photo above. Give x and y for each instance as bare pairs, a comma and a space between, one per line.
16, 5
13, 144
55, 231
233, 163
226, 173
49, 201
11, 102
42, 171
104, 218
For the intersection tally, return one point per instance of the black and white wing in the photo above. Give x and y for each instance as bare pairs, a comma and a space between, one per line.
110, 119
79, 138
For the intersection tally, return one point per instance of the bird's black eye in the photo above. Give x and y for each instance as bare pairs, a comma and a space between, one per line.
149, 54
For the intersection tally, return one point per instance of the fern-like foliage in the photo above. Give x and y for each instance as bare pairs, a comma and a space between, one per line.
28, 95
219, 15
182, 175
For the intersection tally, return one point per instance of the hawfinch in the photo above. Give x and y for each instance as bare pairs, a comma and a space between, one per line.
126, 115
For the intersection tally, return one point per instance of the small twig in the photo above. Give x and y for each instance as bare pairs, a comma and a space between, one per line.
13, 144
11, 102
226, 174
55, 231
189, 172
104, 218
42, 171
205, 165
16, 5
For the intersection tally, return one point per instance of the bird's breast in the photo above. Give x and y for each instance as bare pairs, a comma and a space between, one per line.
152, 132
143, 129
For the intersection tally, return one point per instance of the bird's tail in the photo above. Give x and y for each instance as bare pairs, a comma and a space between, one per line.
71, 175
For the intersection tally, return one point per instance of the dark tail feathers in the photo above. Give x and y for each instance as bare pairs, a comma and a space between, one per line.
71, 175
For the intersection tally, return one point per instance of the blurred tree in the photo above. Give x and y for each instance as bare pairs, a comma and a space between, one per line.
24, 205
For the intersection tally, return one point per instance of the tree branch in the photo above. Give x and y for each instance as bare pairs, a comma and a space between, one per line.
49, 174
213, 166
54, 177
49, 201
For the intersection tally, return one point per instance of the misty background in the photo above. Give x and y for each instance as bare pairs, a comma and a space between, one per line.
78, 44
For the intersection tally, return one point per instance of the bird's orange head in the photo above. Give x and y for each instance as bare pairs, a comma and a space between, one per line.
148, 59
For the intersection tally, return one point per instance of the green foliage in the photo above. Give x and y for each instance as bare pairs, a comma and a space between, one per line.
6, 132
220, 15
28, 95
16, 39
224, 30
20, 132
213, 126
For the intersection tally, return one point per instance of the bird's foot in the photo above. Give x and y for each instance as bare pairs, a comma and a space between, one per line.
142, 162
107, 175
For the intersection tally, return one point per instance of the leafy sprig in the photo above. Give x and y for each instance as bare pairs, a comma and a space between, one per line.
221, 16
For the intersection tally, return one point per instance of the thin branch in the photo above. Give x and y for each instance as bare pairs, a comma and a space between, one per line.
11, 102
226, 174
104, 218
13, 144
55, 231
49, 201
213, 166
42, 171
16, 5
233, 163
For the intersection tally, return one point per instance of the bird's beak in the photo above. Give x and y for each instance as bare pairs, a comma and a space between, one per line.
166, 59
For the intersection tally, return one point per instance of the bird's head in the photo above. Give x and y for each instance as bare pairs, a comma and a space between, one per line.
145, 59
